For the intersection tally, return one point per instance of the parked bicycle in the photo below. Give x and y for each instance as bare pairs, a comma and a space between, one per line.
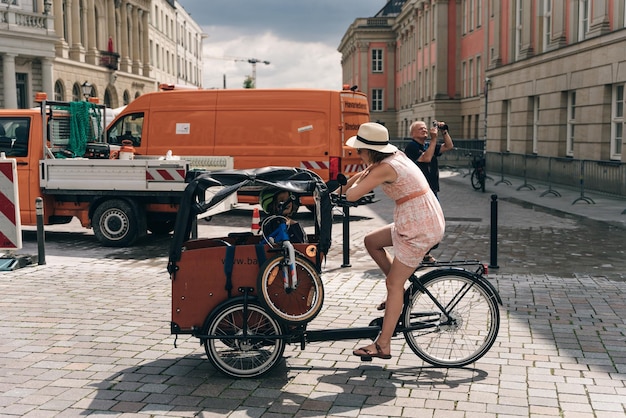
245, 296
479, 173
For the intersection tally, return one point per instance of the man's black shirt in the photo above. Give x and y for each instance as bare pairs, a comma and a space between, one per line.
414, 150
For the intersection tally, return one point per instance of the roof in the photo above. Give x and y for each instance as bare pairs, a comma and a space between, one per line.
391, 9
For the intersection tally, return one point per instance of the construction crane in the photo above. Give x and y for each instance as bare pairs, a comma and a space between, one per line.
253, 61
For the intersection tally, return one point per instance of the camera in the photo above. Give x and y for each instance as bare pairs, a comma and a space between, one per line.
441, 128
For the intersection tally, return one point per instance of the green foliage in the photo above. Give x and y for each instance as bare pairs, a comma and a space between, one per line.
248, 83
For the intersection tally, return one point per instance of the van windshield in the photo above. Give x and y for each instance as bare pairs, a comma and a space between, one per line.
14, 136
129, 127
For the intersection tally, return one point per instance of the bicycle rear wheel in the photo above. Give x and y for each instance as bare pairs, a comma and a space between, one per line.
232, 353
469, 331
476, 180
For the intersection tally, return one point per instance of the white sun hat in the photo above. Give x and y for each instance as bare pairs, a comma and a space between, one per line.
372, 136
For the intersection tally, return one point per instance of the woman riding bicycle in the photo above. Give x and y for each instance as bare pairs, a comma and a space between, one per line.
418, 221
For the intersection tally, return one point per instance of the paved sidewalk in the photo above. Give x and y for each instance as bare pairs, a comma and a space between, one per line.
88, 335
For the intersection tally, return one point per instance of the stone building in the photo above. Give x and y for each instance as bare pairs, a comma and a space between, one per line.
530, 78
117, 49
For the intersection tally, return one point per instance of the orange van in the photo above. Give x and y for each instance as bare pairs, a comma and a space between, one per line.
257, 127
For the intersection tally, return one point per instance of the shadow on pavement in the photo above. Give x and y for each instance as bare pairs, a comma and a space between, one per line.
191, 385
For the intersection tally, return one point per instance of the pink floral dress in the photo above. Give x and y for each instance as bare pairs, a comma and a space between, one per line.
419, 223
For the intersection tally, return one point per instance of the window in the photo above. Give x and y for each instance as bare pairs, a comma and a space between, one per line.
377, 60
479, 13
77, 93
377, 100
476, 125
14, 134
547, 24
108, 102
518, 28
464, 79
534, 103
478, 74
129, 128
571, 123
507, 124
21, 85
464, 17
617, 121
583, 18
59, 94
470, 77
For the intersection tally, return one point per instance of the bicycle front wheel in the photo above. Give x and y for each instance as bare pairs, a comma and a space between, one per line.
294, 306
462, 336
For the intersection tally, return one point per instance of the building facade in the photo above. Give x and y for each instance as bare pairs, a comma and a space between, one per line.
531, 77
120, 48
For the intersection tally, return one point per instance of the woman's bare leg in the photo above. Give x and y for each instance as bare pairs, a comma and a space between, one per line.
375, 244
396, 278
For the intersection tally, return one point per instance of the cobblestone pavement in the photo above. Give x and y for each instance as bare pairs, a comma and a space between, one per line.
87, 334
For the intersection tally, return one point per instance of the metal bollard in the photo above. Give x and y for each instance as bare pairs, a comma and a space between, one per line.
494, 232
41, 250
346, 237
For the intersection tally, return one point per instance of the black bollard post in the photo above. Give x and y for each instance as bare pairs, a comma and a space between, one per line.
494, 232
346, 237
41, 251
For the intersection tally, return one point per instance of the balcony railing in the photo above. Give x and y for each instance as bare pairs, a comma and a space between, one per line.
109, 60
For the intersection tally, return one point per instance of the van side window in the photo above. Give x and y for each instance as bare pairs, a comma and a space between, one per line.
129, 127
14, 136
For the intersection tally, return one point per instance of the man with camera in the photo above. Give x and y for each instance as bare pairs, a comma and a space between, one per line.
425, 154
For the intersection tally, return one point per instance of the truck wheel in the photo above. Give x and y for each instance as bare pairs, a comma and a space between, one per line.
115, 224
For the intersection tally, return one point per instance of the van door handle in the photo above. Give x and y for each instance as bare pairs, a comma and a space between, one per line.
22, 163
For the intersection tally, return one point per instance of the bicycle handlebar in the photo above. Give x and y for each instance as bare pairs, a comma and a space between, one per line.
340, 200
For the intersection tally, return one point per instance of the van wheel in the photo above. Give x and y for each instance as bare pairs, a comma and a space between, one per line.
115, 223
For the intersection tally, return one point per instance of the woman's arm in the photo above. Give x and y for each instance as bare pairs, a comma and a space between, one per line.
369, 179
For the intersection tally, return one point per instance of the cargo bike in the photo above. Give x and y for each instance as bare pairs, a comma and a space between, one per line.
245, 296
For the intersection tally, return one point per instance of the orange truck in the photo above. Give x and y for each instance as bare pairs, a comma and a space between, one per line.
302, 128
168, 133
120, 198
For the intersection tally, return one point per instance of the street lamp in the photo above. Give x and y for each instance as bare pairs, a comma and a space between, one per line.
87, 90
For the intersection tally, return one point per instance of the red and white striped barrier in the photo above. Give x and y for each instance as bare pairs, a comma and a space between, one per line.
10, 227
315, 165
165, 174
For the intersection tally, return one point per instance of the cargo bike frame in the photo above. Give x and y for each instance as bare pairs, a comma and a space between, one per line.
245, 298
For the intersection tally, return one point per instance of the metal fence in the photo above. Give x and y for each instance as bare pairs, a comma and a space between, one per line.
608, 177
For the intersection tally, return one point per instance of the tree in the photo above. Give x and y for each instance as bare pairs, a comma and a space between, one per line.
248, 83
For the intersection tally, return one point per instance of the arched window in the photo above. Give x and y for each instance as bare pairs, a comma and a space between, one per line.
59, 91
107, 98
77, 93
126, 97
137, 94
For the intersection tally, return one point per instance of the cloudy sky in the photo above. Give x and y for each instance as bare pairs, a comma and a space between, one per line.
299, 38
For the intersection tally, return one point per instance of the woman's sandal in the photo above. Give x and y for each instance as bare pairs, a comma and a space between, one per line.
429, 259
367, 355
381, 306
